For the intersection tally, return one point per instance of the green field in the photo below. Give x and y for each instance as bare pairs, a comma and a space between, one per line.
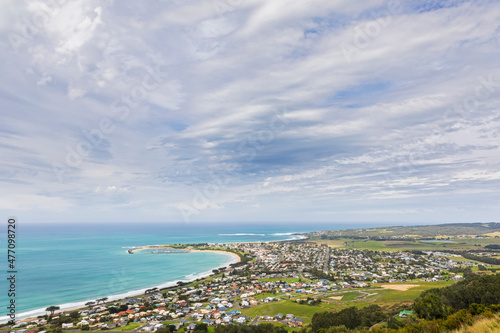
461, 244
453, 230
304, 312
127, 328
350, 296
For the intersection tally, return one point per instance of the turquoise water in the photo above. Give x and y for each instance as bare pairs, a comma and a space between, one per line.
68, 264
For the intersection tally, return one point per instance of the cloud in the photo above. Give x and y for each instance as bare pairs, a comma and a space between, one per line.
317, 110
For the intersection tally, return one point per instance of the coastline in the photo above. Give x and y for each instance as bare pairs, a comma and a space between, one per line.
234, 255
231, 254
295, 236
80, 305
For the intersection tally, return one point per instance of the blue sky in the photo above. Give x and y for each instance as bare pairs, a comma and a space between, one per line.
250, 110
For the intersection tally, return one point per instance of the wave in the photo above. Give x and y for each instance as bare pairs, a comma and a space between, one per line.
242, 234
294, 235
297, 237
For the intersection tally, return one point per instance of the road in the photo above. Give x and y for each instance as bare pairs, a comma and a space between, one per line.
327, 261
255, 321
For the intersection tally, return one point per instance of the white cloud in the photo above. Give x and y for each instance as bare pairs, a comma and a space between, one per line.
258, 96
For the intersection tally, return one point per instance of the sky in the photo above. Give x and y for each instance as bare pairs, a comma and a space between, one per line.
250, 110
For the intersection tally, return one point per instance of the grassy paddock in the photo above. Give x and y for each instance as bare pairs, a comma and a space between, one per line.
127, 328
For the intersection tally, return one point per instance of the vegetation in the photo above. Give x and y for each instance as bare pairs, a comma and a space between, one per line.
439, 303
351, 318
412, 232
52, 308
473, 302
438, 306
487, 260
262, 328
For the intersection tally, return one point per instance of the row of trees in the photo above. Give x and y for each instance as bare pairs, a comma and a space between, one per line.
54, 308
486, 260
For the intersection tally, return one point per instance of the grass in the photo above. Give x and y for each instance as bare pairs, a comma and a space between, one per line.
350, 296
331, 243
486, 325
301, 311
368, 245
127, 328
461, 244
382, 297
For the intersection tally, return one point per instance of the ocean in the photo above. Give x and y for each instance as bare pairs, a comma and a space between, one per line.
70, 264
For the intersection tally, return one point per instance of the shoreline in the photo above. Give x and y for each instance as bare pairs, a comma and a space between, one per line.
166, 246
140, 248
234, 255
30, 315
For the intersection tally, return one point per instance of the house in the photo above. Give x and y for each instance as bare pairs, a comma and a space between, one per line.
405, 313
191, 327
296, 323
68, 325
279, 316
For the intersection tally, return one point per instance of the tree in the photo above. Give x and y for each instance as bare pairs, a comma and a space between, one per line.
337, 329
201, 328
52, 308
165, 329
74, 315
101, 300
431, 307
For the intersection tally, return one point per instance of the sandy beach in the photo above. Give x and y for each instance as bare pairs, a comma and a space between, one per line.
223, 252
131, 251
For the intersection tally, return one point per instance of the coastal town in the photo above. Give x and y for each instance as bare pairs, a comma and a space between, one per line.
290, 275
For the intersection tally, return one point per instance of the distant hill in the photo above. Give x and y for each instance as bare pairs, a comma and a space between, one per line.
491, 229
